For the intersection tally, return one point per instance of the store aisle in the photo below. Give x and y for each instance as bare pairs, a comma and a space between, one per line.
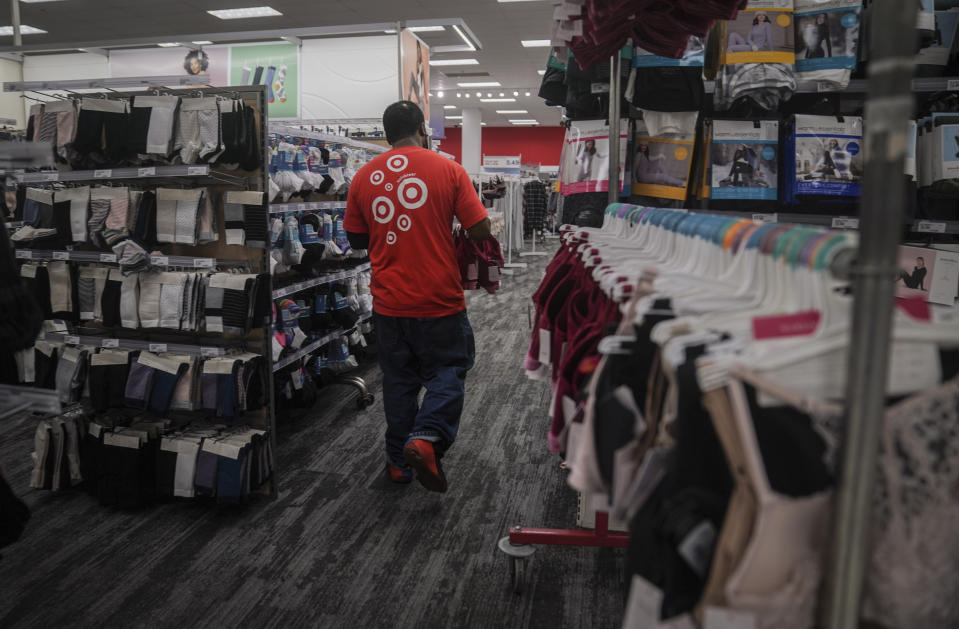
341, 546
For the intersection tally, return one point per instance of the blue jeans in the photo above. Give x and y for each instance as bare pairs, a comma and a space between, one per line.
430, 353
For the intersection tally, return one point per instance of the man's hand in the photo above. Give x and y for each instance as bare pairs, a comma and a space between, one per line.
481, 230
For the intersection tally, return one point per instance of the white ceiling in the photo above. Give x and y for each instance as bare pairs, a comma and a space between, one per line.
498, 26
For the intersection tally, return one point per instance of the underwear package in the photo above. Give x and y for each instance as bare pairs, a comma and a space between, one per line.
585, 166
827, 40
666, 84
662, 163
744, 158
823, 157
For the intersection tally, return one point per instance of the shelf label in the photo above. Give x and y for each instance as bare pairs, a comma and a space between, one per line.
160, 260
952, 85
825, 87
51, 177
845, 223
110, 343
302, 206
197, 170
158, 348
24, 254
61, 255
930, 227
203, 263
103, 174
209, 352
765, 218
147, 172
108, 257
599, 88
71, 340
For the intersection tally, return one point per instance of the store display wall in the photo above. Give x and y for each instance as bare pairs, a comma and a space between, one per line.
538, 145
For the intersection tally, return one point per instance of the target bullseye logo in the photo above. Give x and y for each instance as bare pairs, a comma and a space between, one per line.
397, 163
391, 238
377, 177
389, 187
412, 193
404, 222
383, 210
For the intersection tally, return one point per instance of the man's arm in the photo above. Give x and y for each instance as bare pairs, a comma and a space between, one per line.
358, 241
479, 231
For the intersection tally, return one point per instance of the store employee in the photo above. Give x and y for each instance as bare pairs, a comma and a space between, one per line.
401, 207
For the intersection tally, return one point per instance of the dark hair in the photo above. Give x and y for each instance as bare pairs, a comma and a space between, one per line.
401, 120
756, 19
921, 258
200, 56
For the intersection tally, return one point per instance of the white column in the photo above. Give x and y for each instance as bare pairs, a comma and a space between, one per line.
472, 139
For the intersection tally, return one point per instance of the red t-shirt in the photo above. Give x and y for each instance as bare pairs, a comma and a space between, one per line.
406, 200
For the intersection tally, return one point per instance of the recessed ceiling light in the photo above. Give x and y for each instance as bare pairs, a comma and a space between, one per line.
482, 124
502, 94
454, 117
439, 94
524, 121
480, 84
527, 93
479, 94
541, 72
453, 62
511, 111
490, 95
535, 43
24, 30
498, 100
425, 29
202, 43
168, 44
467, 96
32, 1
391, 31
515, 93
239, 14
465, 39
460, 95
449, 106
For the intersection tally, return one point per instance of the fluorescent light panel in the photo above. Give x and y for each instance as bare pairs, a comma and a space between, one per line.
426, 29
497, 100
463, 36
535, 43
168, 44
541, 72
480, 84
239, 14
32, 1
449, 106
202, 43
524, 121
24, 30
512, 111
454, 117
454, 62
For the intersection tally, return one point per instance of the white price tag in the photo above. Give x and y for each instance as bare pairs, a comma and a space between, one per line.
209, 352
203, 263
160, 260
102, 174
158, 348
110, 343
599, 88
825, 87
24, 254
197, 170
723, 618
108, 257
51, 177
930, 227
765, 218
302, 206
845, 223
952, 85
544, 346
147, 172
643, 606
61, 255
297, 379
71, 340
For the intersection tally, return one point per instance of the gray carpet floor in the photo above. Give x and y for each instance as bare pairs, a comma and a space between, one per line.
340, 546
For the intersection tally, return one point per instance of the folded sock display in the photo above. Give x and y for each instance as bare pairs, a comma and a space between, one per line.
90, 287
61, 289
245, 217
149, 302
152, 120
229, 303
37, 280
166, 374
45, 364
110, 301
129, 302
108, 378
176, 215
198, 129
71, 373
139, 381
79, 200
101, 126
187, 387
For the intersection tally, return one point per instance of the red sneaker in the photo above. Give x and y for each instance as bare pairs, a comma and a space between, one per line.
421, 455
401, 475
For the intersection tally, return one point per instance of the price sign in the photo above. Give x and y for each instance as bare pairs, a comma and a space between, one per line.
51, 177
209, 352
160, 260
302, 206
765, 218
147, 172
930, 227
203, 263
71, 340
110, 343
197, 170
157, 348
845, 223
825, 87
952, 85
24, 254
102, 174
108, 257
61, 255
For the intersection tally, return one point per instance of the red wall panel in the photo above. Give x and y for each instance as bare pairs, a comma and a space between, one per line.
537, 145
